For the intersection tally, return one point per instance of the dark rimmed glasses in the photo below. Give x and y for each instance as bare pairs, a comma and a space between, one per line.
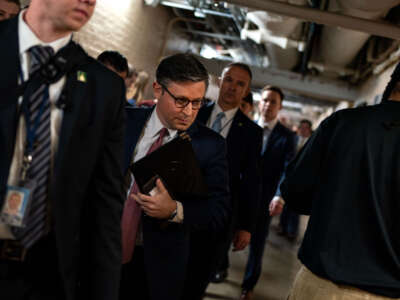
182, 102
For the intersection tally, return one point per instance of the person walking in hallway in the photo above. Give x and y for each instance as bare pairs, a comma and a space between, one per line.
61, 140
346, 178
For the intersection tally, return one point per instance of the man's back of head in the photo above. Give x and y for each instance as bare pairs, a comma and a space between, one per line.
115, 61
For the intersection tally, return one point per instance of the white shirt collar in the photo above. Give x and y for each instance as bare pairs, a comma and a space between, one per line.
154, 125
271, 124
229, 114
27, 38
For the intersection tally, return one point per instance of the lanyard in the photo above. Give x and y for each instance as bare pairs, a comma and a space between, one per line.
31, 127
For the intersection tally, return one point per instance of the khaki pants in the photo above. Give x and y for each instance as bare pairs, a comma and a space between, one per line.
308, 286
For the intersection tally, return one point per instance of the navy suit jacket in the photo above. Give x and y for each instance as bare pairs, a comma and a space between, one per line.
244, 142
167, 249
86, 190
280, 150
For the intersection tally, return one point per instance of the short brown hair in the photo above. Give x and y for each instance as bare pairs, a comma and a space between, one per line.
274, 89
17, 2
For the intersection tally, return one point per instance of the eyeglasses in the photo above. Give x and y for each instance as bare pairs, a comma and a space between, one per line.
182, 102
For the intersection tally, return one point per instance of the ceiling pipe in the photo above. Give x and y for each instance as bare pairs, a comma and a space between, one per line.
323, 17
348, 43
213, 35
184, 5
168, 30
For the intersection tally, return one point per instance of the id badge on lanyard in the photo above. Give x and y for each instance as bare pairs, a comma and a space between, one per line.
17, 202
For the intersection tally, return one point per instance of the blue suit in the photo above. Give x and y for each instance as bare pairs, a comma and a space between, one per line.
280, 149
166, 249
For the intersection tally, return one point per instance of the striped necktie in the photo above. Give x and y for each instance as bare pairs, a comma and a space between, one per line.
37, 97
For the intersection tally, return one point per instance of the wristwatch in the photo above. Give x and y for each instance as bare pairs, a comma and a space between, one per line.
173, 215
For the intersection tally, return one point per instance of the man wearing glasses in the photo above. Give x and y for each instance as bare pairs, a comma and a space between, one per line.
154, 257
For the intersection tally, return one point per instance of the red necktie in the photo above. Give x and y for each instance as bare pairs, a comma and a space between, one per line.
132, 211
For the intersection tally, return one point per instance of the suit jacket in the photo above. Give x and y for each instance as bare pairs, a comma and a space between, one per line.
244, 142
86, 191
166, 250
280, 150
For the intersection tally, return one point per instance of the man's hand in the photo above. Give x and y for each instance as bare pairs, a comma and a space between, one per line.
276, 206
241, 240
160, 205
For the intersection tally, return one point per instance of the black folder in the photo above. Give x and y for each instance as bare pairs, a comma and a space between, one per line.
176, 165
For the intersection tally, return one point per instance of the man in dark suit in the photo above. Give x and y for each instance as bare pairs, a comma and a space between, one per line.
279, 147
244, 139
158, 266
347, 179
70, 246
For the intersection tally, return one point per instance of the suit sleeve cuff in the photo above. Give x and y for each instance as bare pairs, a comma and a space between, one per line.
179, 213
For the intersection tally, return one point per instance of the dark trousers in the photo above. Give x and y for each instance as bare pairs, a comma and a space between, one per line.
134, 283
224, 246
289, 221
36, 278
203, 257
257, 245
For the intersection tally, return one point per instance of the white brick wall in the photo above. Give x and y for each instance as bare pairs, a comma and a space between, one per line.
130, 27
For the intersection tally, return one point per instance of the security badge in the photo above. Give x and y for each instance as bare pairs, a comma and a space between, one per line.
17, 201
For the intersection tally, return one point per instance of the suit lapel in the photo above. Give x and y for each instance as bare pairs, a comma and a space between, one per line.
10, 62
76, 116
275, 135
205, 113
135, 123
234, 136
9, 53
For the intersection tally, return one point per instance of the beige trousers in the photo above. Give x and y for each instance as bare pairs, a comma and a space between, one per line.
308, 286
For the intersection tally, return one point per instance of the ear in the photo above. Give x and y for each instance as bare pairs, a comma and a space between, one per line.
219, 81
157, 90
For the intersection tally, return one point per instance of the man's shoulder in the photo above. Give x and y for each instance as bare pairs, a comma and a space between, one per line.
97, 69
7, 24
137, 113
249, 124
284, 131
205, 134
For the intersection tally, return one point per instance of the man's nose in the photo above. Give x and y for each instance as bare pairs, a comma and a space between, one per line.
188, 110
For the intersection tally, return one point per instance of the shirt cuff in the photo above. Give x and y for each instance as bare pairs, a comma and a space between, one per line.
179, 213
279, 199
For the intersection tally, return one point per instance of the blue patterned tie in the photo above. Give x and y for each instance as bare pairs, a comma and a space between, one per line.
217, 125
39, 170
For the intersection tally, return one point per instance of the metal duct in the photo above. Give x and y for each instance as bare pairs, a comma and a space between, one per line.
277, 33
340, 46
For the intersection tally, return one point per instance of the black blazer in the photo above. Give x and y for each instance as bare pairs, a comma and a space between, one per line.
167, 249
280, 150
244, 143
86, 191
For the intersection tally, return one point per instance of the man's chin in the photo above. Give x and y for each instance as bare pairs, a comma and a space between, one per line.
182, 126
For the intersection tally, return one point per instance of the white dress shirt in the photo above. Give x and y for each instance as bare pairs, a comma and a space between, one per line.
267, 127
226, 121
27, 39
